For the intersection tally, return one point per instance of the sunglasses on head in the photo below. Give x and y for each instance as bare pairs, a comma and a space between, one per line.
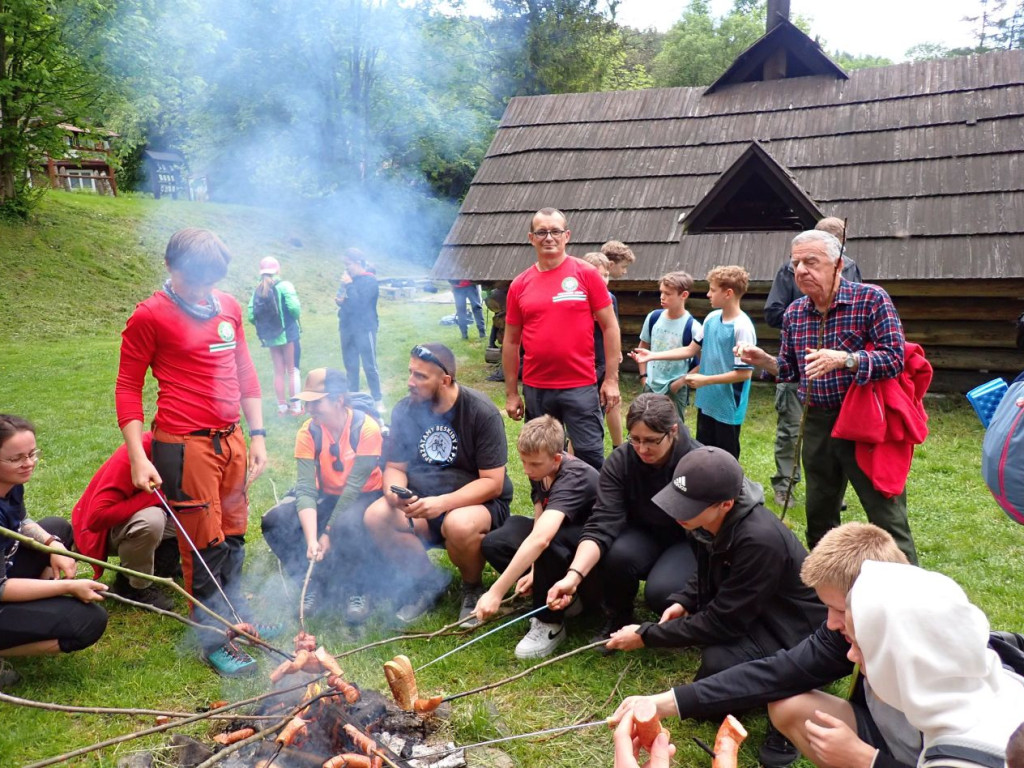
422, 353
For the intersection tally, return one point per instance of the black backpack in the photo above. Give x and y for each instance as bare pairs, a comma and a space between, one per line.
362, 408
652, 318
266, 314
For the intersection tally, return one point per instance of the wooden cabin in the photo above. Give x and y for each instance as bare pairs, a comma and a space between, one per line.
85, 164
925, 160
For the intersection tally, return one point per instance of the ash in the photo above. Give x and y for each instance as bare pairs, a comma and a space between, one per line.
425, 755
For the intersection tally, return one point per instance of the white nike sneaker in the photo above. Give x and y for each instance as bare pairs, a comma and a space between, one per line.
541, 640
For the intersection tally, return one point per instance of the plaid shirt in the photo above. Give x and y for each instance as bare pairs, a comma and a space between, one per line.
860, 314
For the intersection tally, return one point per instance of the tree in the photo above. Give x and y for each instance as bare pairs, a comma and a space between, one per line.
43, 82
849, 61
698, 49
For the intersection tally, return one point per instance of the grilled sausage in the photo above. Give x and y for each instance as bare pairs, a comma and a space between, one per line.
230, 737
646, 724
731, 734
349, 760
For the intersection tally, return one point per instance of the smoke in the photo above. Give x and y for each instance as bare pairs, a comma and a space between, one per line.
356, 111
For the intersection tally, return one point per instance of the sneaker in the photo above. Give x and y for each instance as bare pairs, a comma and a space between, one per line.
776, 750
381, 408
268, 631
471, 594
310, 603
149, 595
295, 408
412, 611
229, 660
282, 409
780, 497
541, 640
9, 676
357, 609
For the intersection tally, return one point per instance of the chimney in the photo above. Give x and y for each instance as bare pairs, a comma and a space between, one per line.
775, 65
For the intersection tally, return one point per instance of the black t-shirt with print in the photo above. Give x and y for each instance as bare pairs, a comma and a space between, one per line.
573, 491
445, 451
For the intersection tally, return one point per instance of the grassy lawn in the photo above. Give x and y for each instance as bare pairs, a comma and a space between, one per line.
71, 279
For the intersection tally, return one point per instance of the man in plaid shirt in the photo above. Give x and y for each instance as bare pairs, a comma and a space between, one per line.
858, 314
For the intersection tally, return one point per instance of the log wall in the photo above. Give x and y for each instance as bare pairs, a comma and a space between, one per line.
968, 328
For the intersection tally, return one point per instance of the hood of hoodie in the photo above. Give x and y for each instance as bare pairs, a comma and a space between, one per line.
926, 653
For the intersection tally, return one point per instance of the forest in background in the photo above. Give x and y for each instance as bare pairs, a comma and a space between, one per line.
382, 109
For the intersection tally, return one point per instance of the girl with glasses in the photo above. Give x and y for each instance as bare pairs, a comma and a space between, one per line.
35, 615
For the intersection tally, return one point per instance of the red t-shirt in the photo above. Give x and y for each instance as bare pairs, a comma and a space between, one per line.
556, 310
110, 499
202, 367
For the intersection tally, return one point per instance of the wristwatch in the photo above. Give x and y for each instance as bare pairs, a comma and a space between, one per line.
850, 362
257, 433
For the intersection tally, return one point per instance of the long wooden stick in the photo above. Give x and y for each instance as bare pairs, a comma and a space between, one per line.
160, 728
458, 622
108, 595
525, 672
232, 748
7, 698
302, 595
170, 583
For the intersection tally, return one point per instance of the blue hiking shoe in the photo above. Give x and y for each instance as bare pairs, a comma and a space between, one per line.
269, 631
230, 660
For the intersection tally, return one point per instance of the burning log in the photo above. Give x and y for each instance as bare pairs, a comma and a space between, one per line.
402, 682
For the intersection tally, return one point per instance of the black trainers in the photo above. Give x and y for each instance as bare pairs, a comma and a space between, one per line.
149, 595
611, 625
471, 594
776, 750
9, 676
167, 560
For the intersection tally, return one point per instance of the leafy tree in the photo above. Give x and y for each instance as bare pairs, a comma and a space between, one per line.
849, 61
698, 49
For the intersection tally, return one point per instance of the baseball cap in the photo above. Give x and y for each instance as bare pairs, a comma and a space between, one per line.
321, 382
703, 477
269, 266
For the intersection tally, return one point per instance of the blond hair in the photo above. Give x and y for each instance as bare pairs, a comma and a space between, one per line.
618, 252
732, 277
833, 225
597, 259
541, 435
836, 560
678, 281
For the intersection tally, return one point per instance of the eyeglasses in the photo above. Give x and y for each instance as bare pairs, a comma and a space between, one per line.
338, 465
645, 442
544, 234
31, 456
426, 355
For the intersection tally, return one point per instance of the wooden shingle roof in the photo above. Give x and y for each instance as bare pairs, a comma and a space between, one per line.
925, 160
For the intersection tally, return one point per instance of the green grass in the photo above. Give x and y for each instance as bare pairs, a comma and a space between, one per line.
72, 277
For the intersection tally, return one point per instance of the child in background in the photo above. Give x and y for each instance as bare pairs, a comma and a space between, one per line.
274, 310
534, 553
613, 416
668, 328
723, 380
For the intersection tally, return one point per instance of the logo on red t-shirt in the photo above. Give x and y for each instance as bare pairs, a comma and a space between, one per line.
570, 291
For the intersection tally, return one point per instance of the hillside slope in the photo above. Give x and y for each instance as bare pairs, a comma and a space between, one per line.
107, 254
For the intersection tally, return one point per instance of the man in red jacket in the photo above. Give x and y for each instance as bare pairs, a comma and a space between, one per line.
114, 516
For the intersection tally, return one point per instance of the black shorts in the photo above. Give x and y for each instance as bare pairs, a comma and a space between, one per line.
499, 509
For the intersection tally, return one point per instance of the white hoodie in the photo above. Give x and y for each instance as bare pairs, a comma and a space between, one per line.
926, 653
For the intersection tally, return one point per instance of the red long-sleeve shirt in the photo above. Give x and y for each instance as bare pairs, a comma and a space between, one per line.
202, 367
110, 499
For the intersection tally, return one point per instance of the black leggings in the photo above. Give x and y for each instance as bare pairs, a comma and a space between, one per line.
73, 624
641, 554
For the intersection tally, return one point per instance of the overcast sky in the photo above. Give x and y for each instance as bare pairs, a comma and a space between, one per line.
876, 27
870, 27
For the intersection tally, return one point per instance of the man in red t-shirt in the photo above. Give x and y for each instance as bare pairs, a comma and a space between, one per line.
552, 307
191, 337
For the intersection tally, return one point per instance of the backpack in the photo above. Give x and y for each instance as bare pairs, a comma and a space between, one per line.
266, 314
652, 318
362, 408
1002, 452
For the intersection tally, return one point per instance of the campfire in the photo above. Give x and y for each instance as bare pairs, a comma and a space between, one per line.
333, 723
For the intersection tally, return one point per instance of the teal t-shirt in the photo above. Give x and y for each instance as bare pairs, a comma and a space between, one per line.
667, 334
725, 403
